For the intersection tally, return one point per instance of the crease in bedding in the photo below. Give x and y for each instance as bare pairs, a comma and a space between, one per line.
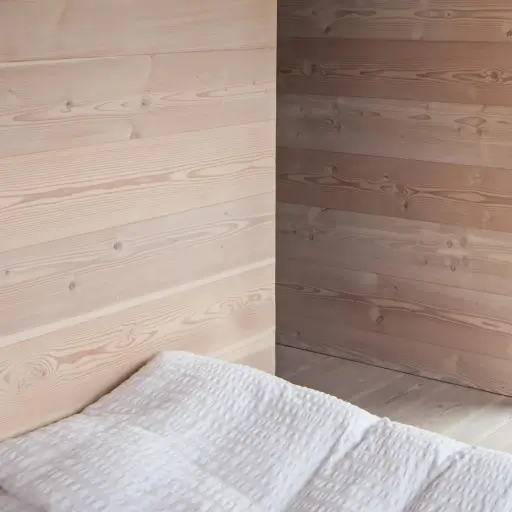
188, 433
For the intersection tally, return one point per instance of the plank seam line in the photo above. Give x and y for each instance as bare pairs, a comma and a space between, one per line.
402, 372
36, 332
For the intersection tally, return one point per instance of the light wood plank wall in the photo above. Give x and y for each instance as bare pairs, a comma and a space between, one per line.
137, 192
395, 185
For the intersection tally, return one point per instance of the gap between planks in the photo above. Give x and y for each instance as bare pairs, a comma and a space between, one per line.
400, 372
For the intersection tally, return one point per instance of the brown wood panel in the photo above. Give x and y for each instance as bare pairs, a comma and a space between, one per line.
471, 259
430, 71
45, 284
96, 28
451, 317
81, 190
394, 178
403, 355
440, 132
51, 105
470, 196
55, 374
434, 20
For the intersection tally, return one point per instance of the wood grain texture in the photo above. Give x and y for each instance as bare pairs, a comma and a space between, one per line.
467, 415
97, 28
428, 313
435, 20
468, 196
56, 374
88, 189
51, 105
290, 362
394, 178
401, 354
258, 351
429, 71
465, 258
137, 193
46, 284
440, 132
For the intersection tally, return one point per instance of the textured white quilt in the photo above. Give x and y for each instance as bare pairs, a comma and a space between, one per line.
188, 433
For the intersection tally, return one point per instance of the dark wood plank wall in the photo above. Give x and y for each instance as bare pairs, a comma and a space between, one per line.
395, 184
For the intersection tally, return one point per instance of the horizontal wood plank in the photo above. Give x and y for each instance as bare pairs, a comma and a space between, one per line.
53, 105
470, 259
439, 132
435, 20
258, 351
417, 70
45, 284
469, 196
96, 28
440, 315
56, 374
81, 190
403, 355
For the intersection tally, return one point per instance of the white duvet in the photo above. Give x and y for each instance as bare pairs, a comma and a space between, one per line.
188, 433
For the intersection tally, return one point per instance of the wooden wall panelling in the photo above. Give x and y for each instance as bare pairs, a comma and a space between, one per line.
435, 20
137, 193
441, 315
394, 182
404, 355
47, 284
97, 28
418, 70
87, 189
51, 105
39, 375
440, 132
471, 259
470, 196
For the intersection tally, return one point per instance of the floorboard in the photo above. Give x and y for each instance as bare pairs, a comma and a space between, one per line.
468, 415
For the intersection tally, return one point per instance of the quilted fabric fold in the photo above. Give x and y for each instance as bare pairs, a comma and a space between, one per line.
189, 433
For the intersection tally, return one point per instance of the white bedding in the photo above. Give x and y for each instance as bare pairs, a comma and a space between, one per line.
188, 433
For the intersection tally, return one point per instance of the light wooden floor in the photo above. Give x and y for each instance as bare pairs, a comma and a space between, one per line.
469, 415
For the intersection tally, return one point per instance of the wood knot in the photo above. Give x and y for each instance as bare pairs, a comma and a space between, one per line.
308, 68
328, 29
380, 319
453, 268
509, 33
69, 104
311, 236
7, 272
118, 246
72, 285
449, 243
